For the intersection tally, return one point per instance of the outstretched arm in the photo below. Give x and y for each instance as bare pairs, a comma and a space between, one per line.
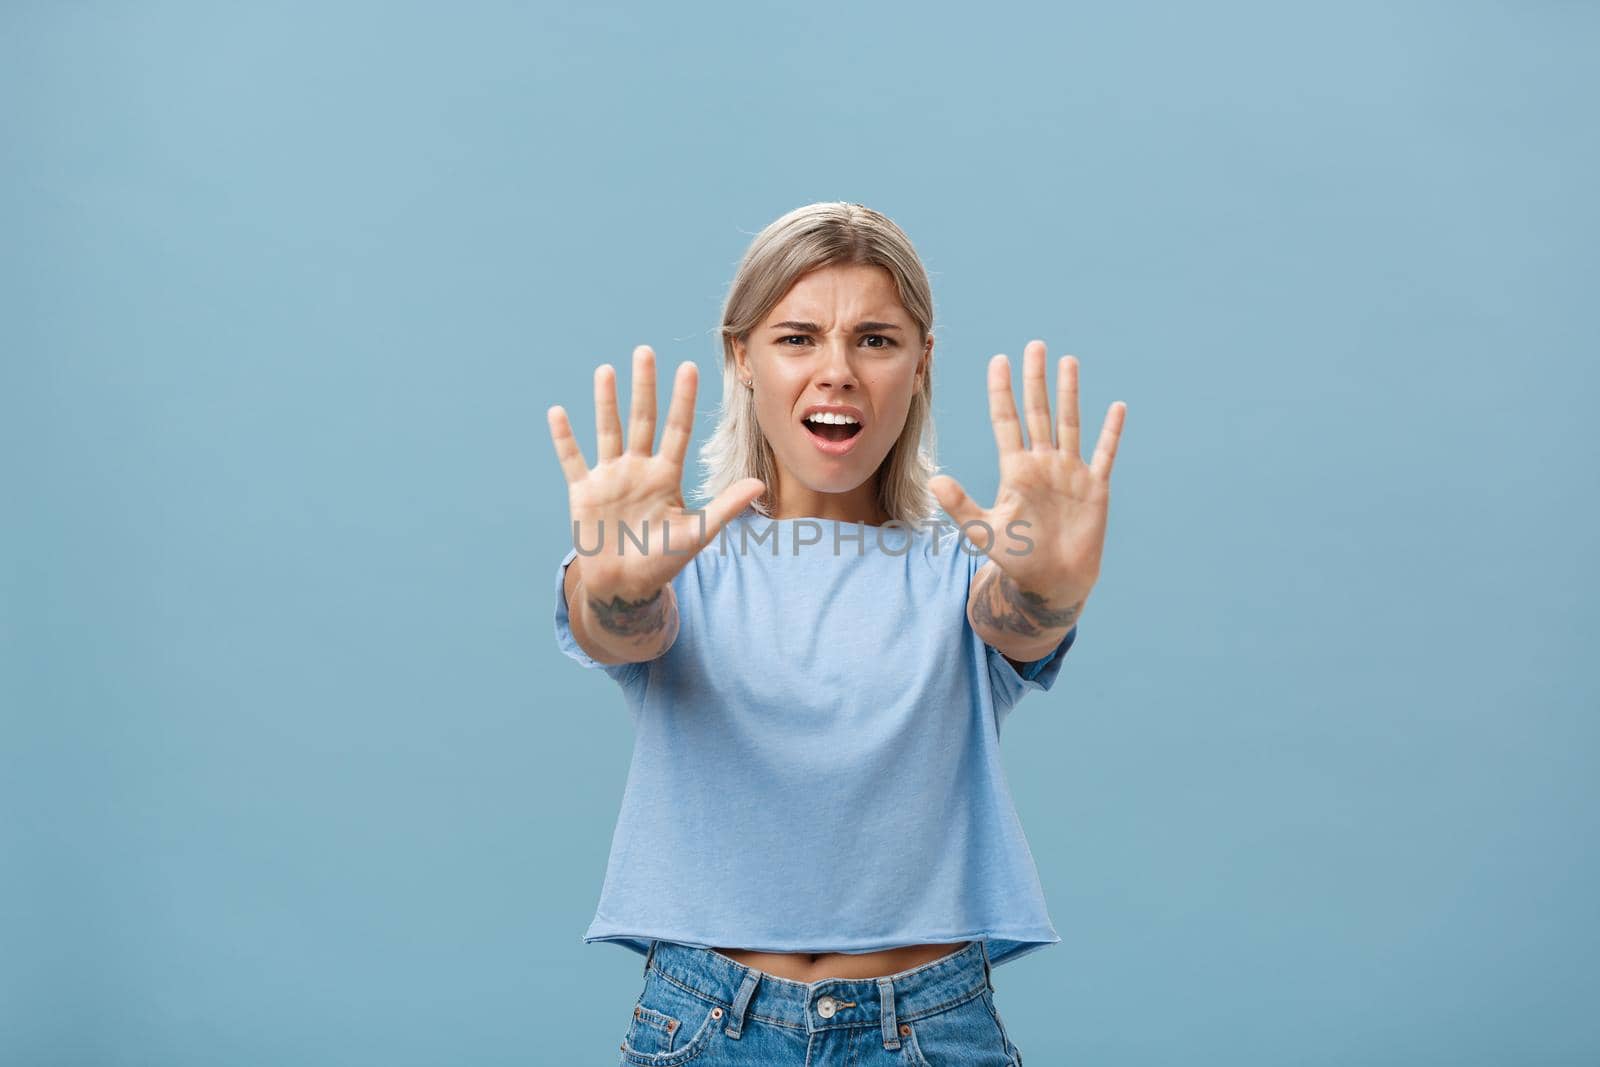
620, 630
1025, 602
620, 605
1024, 625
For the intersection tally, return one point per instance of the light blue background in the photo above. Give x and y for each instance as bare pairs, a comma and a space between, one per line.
293, 770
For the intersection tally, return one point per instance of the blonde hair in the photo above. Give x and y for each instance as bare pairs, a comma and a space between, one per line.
805, 239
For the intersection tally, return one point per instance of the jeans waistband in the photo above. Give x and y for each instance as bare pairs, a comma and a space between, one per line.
828, 1002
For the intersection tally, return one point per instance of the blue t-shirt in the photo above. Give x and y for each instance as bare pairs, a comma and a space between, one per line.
816, 759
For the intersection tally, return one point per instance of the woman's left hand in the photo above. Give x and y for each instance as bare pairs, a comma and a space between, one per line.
1057, 501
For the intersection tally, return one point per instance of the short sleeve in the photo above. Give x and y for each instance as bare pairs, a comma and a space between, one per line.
625, 674
1010, 685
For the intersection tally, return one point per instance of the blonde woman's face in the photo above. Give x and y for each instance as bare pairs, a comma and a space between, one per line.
838, 338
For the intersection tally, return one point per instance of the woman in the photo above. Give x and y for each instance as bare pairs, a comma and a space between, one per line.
817, 853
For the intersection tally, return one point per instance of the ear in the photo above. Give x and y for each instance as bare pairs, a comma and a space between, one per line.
740, 360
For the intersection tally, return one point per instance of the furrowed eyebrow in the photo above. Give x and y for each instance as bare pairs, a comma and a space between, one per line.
811, 327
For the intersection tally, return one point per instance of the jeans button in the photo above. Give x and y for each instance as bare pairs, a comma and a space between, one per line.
826, 1007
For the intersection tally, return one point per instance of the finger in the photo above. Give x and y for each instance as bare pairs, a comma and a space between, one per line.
1003, 407
680, 414
642, 416
1105, 451
728, 503
1067, 407
567, 451
954, 499
1035, 393
607, 429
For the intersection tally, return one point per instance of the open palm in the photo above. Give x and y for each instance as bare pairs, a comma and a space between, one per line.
634, 488
1059, 502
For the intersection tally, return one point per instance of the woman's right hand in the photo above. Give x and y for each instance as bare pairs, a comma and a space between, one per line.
636, 488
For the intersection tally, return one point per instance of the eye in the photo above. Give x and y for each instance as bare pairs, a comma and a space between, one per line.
887, 341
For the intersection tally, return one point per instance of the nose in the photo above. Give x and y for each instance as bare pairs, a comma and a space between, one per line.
833, 369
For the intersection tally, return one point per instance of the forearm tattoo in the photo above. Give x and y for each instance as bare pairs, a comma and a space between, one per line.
631, 620
1001, 605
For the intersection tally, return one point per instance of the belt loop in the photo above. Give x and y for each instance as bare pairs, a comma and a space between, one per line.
650, 955
983, 947
741, 1001
891, 1033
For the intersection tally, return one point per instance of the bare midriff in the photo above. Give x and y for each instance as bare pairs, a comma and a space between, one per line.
814, 966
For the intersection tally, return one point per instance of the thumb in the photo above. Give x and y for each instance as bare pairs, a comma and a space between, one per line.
730, 502
954, 499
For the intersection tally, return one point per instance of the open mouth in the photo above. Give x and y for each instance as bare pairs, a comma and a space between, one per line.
832, 427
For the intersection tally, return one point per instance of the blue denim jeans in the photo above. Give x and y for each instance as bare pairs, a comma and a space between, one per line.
701, 1007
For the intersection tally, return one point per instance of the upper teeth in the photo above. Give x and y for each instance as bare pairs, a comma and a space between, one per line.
837, 420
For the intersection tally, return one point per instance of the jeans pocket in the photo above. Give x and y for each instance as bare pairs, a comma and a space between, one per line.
966, 1035
670, 1025
651, 1031
1016, 1053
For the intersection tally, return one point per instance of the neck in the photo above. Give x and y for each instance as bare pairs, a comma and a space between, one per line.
858, 505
